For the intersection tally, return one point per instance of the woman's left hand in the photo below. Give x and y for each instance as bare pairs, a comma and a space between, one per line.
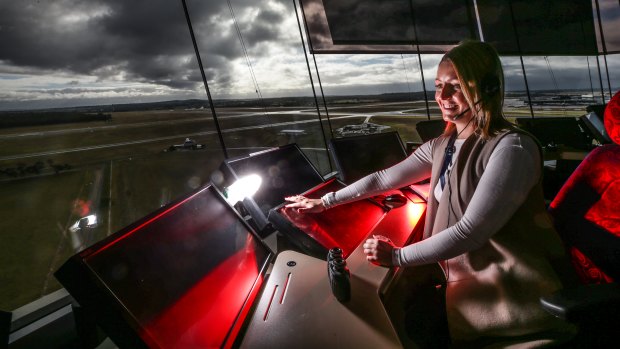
304, 204
379, 251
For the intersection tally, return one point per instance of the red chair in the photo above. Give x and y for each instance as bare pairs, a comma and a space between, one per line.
586, 210
586, 213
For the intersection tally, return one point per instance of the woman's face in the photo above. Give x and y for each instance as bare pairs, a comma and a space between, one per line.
449, 95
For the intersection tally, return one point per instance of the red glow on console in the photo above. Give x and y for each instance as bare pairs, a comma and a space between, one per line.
206, 315
343, 226
415, 212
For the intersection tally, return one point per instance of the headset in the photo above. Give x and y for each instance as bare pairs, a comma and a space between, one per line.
489, 85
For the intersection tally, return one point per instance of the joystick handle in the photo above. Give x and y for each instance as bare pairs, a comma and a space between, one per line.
339, 275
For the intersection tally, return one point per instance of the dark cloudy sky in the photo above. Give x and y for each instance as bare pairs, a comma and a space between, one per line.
70, 52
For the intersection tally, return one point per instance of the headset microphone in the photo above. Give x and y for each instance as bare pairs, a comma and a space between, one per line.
489, 86
463, 112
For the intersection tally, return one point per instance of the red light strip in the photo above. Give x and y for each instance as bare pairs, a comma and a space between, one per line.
269, 305
234, 331
288, 280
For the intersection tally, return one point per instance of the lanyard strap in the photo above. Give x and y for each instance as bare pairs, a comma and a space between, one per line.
447, 159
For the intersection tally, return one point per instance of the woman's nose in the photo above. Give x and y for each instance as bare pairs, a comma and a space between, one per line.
446, 92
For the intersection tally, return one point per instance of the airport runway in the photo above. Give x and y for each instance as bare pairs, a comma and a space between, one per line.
334, 116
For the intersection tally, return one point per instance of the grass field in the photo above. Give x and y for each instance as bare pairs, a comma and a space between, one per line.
34, 234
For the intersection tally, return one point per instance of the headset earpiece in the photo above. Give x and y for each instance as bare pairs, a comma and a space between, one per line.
489, 86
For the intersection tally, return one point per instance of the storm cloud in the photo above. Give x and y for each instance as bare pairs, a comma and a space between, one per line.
142, 41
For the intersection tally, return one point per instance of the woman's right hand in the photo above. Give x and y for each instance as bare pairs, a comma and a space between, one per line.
378, 250
304, 204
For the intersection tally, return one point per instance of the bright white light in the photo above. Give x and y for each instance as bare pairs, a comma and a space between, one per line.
89, 221
92, 220
242, 188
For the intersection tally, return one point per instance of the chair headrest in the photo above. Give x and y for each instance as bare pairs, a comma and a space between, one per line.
612, 118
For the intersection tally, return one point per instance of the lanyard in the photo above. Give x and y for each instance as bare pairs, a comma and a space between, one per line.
447, 159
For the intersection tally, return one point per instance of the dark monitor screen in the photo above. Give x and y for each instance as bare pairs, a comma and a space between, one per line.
551, 27
354, 26
406, 22
552, 131
596, 126
185, 276
358, 156
284, 171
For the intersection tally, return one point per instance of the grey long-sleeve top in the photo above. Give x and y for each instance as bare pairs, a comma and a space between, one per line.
512, 171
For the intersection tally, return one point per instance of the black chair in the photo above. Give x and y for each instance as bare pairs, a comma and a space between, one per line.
593, 308
427, 130
430, 129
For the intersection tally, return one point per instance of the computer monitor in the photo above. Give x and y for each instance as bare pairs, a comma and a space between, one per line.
284, 171
358, 156
184, 276
553, 131
594, 124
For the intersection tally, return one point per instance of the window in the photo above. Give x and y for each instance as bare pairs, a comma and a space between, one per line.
104, 116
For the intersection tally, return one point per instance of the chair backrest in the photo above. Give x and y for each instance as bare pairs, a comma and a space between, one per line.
429, 129
585, 210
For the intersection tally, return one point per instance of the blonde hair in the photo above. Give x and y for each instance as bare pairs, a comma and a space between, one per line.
481, 76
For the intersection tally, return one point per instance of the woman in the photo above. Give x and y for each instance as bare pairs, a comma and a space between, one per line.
486, 222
